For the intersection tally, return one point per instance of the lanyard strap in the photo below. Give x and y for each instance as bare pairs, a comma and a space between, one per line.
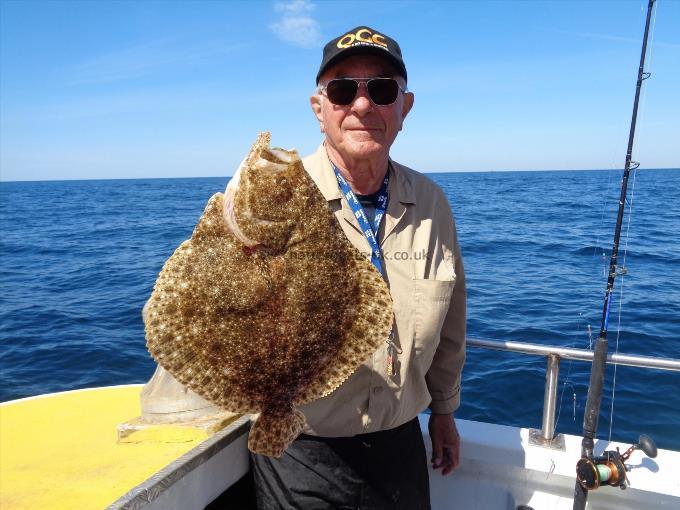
370, 231
371, 235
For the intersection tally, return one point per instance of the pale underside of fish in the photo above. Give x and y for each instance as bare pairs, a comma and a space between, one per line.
268, 306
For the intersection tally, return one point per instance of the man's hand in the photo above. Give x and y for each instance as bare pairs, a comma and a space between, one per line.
445, 442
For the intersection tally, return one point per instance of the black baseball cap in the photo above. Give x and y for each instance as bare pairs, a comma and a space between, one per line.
361, 39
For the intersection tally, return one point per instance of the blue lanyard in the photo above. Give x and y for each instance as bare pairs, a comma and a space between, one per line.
370, 231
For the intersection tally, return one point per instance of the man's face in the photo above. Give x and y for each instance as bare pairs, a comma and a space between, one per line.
361, 130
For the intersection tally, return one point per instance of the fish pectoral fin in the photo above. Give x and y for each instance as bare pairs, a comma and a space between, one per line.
271, 435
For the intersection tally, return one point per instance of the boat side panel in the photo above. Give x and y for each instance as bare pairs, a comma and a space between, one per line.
499, 469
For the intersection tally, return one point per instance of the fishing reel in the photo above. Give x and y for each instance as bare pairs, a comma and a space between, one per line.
609, 468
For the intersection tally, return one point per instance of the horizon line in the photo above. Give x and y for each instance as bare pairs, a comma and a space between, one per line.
230, 176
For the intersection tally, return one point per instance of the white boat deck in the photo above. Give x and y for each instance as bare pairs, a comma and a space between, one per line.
499, 469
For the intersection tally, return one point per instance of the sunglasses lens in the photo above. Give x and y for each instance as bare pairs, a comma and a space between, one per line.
342, 92
383, 91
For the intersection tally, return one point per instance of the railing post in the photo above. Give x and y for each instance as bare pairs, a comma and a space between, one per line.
545, 437
550, 396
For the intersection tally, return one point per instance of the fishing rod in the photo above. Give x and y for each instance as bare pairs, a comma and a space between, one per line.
609, 469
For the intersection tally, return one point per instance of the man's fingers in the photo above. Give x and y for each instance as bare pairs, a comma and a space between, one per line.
437, 453
452, 456
450, 461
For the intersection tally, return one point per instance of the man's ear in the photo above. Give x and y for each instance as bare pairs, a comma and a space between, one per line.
409, 99
315, 103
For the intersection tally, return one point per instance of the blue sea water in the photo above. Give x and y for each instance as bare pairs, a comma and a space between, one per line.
79, 259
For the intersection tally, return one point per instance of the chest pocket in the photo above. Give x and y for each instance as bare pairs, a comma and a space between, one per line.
431, 299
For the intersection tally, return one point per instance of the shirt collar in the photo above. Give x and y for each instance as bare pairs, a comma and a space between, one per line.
400, 187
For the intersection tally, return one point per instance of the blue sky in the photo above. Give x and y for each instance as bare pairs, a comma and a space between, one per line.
98, 89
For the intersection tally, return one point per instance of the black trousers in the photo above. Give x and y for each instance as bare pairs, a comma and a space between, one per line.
375, 471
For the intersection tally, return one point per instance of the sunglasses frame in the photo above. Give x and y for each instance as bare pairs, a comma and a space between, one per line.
323, 89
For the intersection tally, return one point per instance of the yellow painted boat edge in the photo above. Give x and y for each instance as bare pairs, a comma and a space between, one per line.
163, 480
47, 395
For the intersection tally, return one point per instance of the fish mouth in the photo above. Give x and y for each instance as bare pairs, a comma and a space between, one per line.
261, 158
279, 157
268, 159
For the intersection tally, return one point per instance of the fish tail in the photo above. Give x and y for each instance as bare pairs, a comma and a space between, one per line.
271, 435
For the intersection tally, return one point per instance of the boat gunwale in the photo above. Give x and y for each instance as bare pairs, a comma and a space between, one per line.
154, 486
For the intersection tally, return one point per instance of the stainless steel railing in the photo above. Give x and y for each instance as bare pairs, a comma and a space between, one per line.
553, 356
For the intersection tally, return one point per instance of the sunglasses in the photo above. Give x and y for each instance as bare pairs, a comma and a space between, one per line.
343, 91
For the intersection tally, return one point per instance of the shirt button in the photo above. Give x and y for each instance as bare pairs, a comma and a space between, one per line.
377, 390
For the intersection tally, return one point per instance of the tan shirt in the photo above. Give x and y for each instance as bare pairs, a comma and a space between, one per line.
424, 270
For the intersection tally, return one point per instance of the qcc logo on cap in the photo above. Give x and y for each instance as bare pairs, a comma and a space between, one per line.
362, 36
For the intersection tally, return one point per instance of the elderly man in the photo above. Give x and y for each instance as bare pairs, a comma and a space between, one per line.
363, 447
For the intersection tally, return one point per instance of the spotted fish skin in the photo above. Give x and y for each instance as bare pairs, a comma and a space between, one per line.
268, 306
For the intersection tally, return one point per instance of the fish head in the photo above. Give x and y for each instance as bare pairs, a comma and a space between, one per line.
261, 203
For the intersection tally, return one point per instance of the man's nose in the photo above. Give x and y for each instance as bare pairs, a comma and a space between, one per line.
362, 103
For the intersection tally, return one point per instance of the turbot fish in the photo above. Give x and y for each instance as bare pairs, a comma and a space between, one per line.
268, 306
